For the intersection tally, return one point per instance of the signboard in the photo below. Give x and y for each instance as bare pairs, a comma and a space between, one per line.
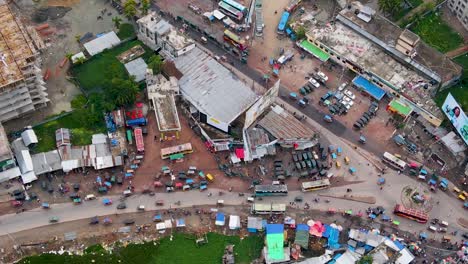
456, 116
218, 124
261, 104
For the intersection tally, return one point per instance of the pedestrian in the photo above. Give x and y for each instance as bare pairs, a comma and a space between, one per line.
381, 187
155, 138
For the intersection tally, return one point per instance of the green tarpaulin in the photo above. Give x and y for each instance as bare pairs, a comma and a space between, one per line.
314, 50
400, 107
176, 156
275, 246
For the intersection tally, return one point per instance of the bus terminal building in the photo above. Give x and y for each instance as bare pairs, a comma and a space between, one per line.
393, 61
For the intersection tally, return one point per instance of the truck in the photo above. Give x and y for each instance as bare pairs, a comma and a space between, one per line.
139, 139
137, 122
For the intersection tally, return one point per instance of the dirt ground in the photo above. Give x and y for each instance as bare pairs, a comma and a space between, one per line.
67, 19
452, 20
51, 237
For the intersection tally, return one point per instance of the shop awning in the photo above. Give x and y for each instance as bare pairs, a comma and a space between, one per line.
314, 50
240, 153
176, 156
370, 88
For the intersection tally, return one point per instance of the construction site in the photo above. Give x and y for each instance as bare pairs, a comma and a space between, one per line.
22, 89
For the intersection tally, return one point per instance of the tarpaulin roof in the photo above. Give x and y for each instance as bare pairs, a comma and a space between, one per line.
234, 222
157, 217
317, 229
274, 229
370, 88
220, 219
240, 153
180, 222
302, 227
302, 238
275, 243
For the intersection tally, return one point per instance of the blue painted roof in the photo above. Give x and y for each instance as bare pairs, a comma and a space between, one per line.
219, 217
274, 229
398, 244
372, 89
302, 227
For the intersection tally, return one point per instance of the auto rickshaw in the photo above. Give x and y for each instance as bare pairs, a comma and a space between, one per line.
209, 177
338, 164
346, 160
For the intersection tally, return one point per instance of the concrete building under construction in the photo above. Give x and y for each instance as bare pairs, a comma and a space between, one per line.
22, 89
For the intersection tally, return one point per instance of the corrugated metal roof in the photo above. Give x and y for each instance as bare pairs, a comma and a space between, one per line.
101, 43
29, 137
211, 87
283, 125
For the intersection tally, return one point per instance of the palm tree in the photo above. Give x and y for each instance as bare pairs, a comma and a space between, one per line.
130, 8
117, 21
145, 5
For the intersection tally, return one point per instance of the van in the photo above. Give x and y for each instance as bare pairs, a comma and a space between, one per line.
90, 197
209, 177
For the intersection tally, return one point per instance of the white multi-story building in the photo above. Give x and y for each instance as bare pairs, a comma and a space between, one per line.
22, 89
161, 36
460, 9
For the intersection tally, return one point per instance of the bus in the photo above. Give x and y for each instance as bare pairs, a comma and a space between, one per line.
393, 161
179, 149
271, 190
315, 185
236, 5
283, 22
272, 208
231, 11
234, 40
129, 137
413, 214
139, 139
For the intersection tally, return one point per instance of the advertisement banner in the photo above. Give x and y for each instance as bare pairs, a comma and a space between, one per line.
261, 104
456, 116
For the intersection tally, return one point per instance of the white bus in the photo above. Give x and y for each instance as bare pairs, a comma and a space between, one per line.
270, 208
315, 185
393, 161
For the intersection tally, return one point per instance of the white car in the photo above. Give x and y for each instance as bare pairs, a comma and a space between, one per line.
346, 99
342, 86
349, 94
322, 76
314, 82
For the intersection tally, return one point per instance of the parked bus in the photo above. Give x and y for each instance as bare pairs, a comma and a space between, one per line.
236, 5
234, 40
271, 190
139, 139
270, 208
180, 149
231, 11
283, 22
393, 161
413, 214
129, 137
315, 185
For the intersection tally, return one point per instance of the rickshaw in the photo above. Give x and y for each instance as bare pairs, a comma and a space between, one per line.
362, 140
220, 202
53, 219
157, 184
352, 170
381, 181
338, 164
461, 197
107, 201
396, 223
107, 221
203, 188
293, 96
339, 151
77, 200
160, 202
16, 203
346, 160
45, 205
456, 190
331, 211
201, 175
210, 177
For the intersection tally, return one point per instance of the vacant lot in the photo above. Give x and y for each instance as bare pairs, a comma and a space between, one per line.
182, 249
94, 73
459, 91
435, 32
80, 136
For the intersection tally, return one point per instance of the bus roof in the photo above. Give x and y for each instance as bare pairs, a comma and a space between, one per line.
411, 211
283, 21
315, 183
139, 139
170, 150
269, 207
394, 159
233, 36
271, 188
236, 5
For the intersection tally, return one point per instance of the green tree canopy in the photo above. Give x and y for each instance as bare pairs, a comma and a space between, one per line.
390, 6
117, 21
129, 8
300, 32
145, 5
122, 91
366, 260
155, 63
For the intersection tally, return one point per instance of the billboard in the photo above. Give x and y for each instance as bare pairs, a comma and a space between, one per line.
261, 104
456, 116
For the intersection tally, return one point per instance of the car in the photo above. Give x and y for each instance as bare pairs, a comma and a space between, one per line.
295, 158
309, 155
366, 115
121, 206
374, 106
303, 164
309, 164
465, 235
314, 82
363, 120
53, 219
328, 119
298, 165
128, 222
346, 99
298, 199
94, 221
322, 76
304, 156
326, 96
333, 109
349, 94
303, 91
342, 86
357, 125
314, 163
309, 87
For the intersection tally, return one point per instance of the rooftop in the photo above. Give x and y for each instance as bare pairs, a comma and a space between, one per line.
15, 47
211, 87
101, 43
283, 125
372, 58
5, 151
137, 68
161, 93
426, 58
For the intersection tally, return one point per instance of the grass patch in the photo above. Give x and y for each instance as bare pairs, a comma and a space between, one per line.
460, 90
126, 31
93, 74
80, 136
438, 34
180, 250
406, 9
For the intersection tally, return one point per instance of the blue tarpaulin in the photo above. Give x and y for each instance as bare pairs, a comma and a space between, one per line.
274, 229
370, 88
399, 245
326, 233
220, 217
423, 235
157, 217
333, 238
302, 227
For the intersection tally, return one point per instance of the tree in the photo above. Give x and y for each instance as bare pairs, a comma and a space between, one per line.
117, 21
130, 9
366, 260
77, 38
145, 5
78, 102
300, 32
390, 6
155, 63
122, 91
